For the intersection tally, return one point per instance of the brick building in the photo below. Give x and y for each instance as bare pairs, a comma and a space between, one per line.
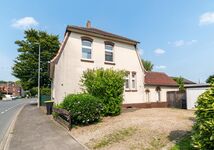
10, 88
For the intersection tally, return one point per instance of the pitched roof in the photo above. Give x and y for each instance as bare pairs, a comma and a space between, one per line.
186, 81
91, 30
159, 78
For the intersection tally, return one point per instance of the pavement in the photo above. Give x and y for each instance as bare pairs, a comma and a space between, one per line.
34, 130
8, 110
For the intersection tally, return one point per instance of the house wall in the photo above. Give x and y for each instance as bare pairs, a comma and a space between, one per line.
153, 95
192, 95
69, 68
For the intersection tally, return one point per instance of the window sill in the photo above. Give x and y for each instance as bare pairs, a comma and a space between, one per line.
87, 60
130, 90
109, 63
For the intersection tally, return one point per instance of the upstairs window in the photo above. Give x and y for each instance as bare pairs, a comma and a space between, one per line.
109, 51
86, 49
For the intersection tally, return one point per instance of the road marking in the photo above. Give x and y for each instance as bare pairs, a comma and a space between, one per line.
11, 108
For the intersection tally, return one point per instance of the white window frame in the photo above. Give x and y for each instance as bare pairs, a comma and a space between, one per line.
111, 51
88, 47
127, 77
134, 79
130, 79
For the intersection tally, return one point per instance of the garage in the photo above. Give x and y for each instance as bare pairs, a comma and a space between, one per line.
192, 93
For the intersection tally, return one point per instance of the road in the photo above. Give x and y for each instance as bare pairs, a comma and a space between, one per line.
8, 110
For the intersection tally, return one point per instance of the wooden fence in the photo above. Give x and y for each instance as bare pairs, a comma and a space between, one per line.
176, 99
63, 117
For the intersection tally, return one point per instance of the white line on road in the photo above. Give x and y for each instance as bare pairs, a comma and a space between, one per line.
11, 108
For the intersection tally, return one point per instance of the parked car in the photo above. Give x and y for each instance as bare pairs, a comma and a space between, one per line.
8, 97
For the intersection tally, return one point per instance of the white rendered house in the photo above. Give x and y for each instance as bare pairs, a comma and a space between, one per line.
87, 48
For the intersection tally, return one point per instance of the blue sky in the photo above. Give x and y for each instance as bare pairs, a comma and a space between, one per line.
176, 35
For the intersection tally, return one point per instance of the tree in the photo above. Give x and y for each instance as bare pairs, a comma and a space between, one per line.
26, 64
210, 79
180, 82
147, 65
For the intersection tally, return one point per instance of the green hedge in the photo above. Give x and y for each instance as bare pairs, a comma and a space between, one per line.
107, 85
203, 129
84, 108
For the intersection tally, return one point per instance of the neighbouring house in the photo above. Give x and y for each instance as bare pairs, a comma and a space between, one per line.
157, 84
192, 93
10, 88
87, 48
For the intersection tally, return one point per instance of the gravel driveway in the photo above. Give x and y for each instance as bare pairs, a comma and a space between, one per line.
154, 128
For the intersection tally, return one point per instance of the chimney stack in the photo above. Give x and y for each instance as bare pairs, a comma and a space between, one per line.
88, 24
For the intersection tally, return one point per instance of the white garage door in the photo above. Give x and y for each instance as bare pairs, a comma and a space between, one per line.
192, 96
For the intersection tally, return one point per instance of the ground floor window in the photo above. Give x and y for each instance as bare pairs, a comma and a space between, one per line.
131, 81
158, 90
147, 95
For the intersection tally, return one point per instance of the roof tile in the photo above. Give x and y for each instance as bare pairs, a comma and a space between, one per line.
159, 78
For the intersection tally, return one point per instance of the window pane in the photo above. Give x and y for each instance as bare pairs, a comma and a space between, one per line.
133, 84
108, 56
127, 84
86, 53
108, 47
133, 75
86, 43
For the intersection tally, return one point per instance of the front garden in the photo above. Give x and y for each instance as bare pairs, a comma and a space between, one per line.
97, 122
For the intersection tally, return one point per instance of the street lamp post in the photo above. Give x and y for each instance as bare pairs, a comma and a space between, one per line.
39, 61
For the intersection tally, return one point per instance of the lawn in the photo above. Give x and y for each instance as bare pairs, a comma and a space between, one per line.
134, 129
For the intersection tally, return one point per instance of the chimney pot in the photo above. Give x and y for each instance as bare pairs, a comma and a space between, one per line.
88, 24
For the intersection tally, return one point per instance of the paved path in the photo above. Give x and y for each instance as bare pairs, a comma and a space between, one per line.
8, 110
36, 131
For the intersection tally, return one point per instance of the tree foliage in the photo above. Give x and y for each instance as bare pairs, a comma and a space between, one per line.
210, 79
26, 64
107, 85
203, 129
147, 65
180, 82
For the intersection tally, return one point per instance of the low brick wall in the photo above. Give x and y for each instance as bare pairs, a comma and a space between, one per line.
146, 105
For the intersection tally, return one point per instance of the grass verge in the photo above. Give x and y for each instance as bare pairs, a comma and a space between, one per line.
115, 137
183, 144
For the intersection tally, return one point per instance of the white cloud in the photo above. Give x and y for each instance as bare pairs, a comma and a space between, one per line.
159, 51
24, 23
160, 67
180, 43
206, 18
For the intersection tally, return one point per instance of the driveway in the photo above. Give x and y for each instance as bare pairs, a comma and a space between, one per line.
153, 129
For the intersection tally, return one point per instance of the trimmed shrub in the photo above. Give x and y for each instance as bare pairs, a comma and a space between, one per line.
107, 85
84, 108
203, 129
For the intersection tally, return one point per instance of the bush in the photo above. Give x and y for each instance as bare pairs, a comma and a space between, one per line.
203, 129
84, 108
45, 91
108, 85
